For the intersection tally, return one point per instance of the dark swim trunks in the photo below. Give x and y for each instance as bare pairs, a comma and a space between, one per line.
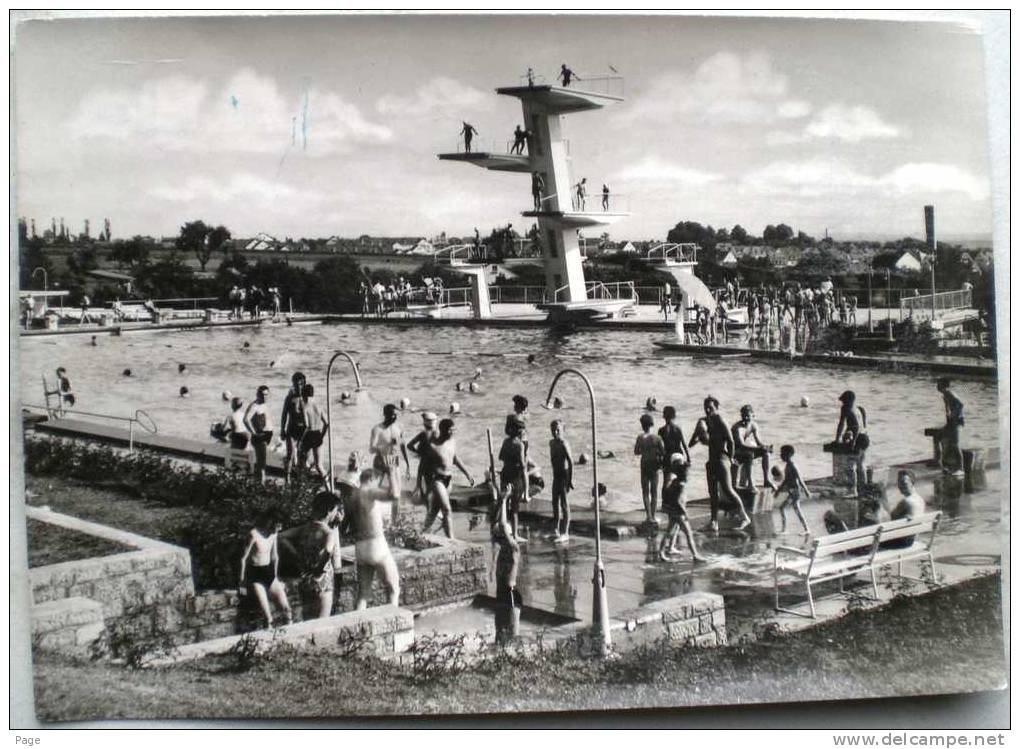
261, 574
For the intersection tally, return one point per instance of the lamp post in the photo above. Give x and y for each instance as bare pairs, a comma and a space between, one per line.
871, 303
599, 602
45, 278
888, 301
329, 406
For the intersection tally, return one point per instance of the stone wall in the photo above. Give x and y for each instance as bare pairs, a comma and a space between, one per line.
451, 571
689, 620
139, 590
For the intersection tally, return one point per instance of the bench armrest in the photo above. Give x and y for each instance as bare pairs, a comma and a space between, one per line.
792, 550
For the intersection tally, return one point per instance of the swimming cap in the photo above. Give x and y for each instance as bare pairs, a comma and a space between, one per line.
429, 416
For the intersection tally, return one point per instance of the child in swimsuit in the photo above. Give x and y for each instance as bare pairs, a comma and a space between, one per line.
652, 451
675, 506
259, 565
563, 481
793, 485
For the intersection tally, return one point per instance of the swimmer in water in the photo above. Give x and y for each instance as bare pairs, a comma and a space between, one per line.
364, 518
259, 423
181, 368
386, 443
126, 372
94, 341
442, 461
184, 391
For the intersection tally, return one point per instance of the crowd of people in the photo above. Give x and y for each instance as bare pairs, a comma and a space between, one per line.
379, 299
254, 302
353, 498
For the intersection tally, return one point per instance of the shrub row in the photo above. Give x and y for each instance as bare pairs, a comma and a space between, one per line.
226, 502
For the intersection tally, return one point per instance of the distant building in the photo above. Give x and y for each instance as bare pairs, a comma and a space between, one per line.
908, 261
629, 248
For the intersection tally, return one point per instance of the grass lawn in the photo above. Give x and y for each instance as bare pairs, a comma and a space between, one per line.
51, 544
106, 506
946, 641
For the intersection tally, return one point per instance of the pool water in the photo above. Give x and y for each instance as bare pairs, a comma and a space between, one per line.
624, 367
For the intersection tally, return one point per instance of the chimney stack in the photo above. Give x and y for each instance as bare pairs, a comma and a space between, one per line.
929, 227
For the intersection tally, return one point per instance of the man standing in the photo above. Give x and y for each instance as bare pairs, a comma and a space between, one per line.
537, 186
605, 197
387, 444
468, 131
259, 423
950, 437
713, 432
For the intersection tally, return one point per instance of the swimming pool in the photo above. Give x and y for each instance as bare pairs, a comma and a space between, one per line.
623, 366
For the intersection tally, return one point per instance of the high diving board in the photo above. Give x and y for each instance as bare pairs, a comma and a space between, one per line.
578, 219
560, 99
496, 162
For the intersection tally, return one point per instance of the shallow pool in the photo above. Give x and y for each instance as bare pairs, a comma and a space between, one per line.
623, 366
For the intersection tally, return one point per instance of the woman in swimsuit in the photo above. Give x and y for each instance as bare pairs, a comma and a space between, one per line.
443, 459
259, 565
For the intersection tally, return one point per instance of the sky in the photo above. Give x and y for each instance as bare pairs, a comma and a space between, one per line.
312, 126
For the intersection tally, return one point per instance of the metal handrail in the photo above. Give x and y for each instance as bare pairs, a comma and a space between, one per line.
131, 420
942, 301
601, 290
685, 252
610, 85
596, 202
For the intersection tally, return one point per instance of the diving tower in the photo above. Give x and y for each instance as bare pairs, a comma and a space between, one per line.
557, 208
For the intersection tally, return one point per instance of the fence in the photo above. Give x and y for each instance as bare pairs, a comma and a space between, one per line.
608, 290
517, 294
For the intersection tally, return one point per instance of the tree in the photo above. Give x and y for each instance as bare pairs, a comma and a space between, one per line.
131, 253
217, 239
194, 238
692, 231
739, 234
804, 240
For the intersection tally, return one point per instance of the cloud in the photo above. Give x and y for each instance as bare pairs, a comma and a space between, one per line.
250, 189
724, 88
181, 113
928, 177
817, 178
440, 94
851, 124
651, 169
793, 109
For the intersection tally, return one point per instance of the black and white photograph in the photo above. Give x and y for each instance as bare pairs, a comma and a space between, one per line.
386, 365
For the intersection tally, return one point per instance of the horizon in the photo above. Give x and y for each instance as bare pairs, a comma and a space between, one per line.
330, 125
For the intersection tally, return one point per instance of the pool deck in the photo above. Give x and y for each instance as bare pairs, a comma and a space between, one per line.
170, 325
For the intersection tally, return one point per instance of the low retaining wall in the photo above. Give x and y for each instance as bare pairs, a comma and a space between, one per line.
381, 630
688, 620
451, 571
138, 589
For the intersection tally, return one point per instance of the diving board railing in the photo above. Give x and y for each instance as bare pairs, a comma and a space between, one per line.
599, 290
141, 418
459, 254
673, 252
606, 85
943, 301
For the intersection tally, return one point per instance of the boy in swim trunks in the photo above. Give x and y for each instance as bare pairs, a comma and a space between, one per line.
443, 458
949, 439
292, 421
258, 422
315, 429
364, 518
674, 503
748, 447
513, 478
649, 446
384, 442
563, 481
316, 545
419, 445
793, 485
261, 575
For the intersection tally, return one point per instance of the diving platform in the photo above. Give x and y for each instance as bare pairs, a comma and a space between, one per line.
577, 219
567, 100
496, 162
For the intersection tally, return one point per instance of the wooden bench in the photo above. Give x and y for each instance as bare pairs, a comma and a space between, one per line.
833, 557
